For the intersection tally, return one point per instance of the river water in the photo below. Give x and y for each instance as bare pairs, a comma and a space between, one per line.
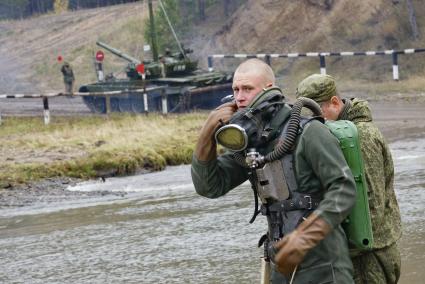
161, 231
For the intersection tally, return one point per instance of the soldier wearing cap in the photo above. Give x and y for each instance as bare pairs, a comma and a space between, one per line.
382, 264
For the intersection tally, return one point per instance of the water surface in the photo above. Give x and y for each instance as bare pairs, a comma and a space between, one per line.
161, 231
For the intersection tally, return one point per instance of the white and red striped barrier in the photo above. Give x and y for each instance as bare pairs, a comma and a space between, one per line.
322, 55
46, 96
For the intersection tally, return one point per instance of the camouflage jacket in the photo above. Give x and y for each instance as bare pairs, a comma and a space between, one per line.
379, 171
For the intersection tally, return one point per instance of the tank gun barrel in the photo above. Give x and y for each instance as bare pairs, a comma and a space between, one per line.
118, 53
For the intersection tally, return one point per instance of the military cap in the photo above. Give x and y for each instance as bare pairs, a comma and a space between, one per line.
317, 87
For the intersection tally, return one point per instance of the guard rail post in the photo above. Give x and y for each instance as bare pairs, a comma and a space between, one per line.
108, 104
322, 65
164, 102
46, 110
210, 64
145, 103
395, 66
268, 60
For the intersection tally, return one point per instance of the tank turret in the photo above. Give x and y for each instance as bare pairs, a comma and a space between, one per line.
169, 65
152, 70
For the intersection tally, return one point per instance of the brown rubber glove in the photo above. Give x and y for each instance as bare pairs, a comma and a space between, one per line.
206, 149
294, 246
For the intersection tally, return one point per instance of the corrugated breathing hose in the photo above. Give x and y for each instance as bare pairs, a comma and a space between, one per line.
293, 127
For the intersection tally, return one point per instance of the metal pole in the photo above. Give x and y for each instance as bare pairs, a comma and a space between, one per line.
322, 65
164, 102
265, 271
108, 104
210, 64
100, 75
268, 60
153, 32
145, 102
395, 67
145, 95
172, 29
46, 110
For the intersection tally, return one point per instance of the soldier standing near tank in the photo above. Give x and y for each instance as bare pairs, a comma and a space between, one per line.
68, 78
308, 241
382, 264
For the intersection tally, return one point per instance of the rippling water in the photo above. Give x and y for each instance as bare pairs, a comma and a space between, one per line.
409, 162
162, 232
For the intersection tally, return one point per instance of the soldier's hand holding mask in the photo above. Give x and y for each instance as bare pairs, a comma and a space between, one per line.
205, 148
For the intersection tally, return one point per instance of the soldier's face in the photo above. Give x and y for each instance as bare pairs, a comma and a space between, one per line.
246, 86
331, 108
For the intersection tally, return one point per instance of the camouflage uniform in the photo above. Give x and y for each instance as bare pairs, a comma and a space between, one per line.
382, 264
68, 78
320, 170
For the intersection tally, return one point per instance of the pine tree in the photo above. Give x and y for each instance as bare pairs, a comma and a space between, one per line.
163, 31
60, 6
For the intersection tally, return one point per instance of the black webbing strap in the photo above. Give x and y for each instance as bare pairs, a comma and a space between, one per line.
298, 202
254, 189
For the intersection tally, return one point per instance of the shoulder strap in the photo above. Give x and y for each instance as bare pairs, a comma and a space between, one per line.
305, 120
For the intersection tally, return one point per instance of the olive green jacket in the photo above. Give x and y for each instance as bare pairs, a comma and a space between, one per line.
320, 170
379, 172
68, 74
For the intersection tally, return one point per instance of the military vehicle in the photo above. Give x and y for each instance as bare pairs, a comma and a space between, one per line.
170, 83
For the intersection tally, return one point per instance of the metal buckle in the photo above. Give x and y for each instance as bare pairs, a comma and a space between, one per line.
309, 202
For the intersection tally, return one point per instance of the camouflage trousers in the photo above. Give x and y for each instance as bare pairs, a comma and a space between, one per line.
381, 266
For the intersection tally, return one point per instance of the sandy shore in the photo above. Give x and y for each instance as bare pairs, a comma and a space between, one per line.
400, 119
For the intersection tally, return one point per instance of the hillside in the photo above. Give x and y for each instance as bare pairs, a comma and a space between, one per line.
29, 48
321, 25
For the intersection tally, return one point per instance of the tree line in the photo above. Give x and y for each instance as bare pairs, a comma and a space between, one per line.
15, 9
184, 14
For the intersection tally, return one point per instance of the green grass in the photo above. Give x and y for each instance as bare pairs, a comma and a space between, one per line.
89, 147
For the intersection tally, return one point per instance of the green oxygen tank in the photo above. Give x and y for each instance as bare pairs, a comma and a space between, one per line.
358, 226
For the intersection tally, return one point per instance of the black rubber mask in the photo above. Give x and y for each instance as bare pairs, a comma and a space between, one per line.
248, 127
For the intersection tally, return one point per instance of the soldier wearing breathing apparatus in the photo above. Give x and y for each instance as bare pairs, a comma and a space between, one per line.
295, 167
381, 263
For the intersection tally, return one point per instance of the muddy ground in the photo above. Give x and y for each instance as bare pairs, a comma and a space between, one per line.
397, 116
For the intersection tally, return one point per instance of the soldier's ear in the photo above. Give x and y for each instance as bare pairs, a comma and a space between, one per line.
335, 100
